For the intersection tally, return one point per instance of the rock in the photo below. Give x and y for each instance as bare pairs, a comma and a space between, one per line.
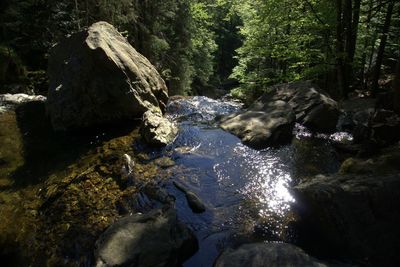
353, 217
97, 77
193, 200
313, 107
157, 130
270, 120
164, 162
386, 162
153, 239
380, 126
127, 167
266, 254
270, 124
385, 126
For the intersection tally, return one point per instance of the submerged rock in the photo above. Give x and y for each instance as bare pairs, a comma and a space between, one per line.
97, 77
266, 254
153, 239
193, 200
354, 216
157, 130
261, 126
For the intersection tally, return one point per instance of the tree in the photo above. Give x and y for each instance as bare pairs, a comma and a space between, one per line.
381, 49
284, 41
396, 87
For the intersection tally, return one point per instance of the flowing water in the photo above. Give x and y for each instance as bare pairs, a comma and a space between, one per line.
246, 191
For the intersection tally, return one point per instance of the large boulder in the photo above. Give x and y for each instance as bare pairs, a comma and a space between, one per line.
312, 106
157, 130
350, 216
153, 239
261, 126
96, 77
266, 254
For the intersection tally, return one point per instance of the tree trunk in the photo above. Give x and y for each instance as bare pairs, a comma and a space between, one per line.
347, 34
354, 30
381, 49
366, 44
396, 88
340, 55
77, 15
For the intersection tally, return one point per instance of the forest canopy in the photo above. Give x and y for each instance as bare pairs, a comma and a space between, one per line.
200, 46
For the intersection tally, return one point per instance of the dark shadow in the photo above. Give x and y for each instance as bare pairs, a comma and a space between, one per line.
46, 151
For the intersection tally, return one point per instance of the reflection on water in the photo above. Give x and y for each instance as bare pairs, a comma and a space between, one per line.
263, 178
302, 132
245, 190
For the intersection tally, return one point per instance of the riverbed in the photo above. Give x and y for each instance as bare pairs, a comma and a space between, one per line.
58, 186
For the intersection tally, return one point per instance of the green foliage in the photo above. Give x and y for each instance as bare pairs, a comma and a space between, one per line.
283, 41
203, 42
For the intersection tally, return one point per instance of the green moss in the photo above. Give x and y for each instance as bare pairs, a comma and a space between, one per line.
11, 145
60, 217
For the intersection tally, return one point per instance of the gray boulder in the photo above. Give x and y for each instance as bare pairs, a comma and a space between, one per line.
266, 254
97, 77
153, 239
157, 130
350, 216
263, 125
312, 106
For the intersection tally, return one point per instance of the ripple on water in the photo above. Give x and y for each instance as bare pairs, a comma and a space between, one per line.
246, 191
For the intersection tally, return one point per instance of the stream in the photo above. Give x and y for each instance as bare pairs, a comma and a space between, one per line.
246, 191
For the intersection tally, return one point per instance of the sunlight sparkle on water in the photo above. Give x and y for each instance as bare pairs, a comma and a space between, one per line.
265, 176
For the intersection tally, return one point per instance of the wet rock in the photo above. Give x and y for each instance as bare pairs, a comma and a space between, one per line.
385, 126
313, 107
385, 163
157, 130
270, 124
350, 216
127, 167
266, 254
153, 239
195, 203
97, 77
164, 162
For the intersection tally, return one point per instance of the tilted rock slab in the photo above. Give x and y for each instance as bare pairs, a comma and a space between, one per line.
97, 77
